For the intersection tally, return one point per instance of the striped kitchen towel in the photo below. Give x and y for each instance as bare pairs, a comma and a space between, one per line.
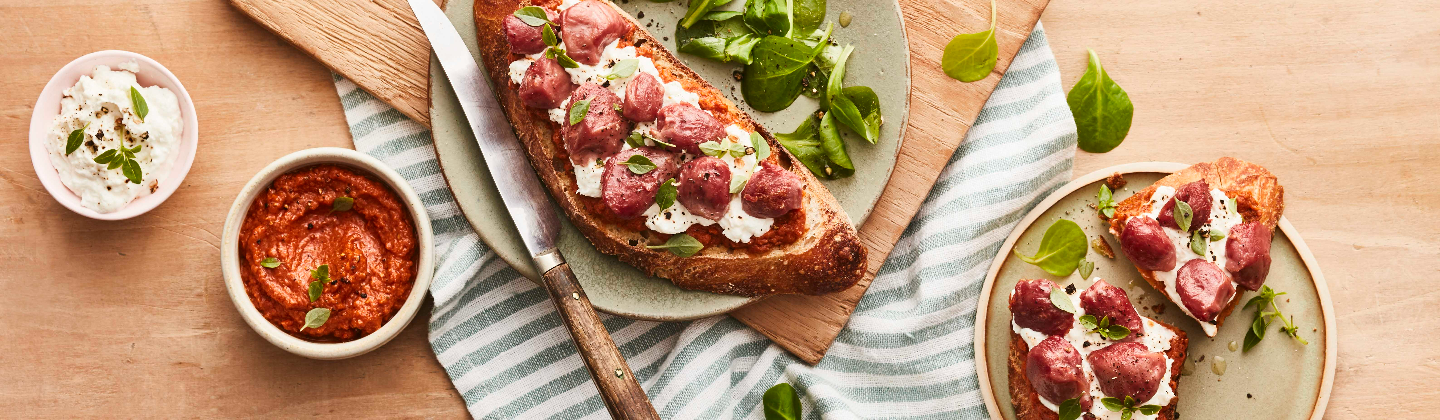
905, 353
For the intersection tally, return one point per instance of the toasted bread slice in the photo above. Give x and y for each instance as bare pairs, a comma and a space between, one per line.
1257, 193
825, 255
1026, 401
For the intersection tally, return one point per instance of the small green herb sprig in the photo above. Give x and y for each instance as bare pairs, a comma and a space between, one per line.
665, 197
718, 149
1127, 408
342, 203
781, 403
1061, 300
971, 57
75, 139
137, 102
681, 245
639, 164
321, 275
578, 109
1264, 318
124, 159
1070, 409
1105, 201
315, 318
270, 262
1104, 327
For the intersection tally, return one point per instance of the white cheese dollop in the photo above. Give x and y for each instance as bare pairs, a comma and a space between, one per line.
588, 177
100, 103
1220, 220
674, 219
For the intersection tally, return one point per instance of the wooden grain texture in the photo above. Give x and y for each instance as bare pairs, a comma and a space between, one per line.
1337, 98
378, 44
623, 396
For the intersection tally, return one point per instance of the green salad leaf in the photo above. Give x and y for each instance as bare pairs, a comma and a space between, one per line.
772, 79
781, 403
806, 15
971, 57
1102, 109
857, 107
698, 10
818, 146
768, 17
1061, 249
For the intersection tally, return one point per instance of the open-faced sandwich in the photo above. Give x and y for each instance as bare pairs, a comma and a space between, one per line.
1089, 354
1199, 234
652, 163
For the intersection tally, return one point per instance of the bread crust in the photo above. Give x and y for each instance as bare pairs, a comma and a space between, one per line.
828, 256
1026, 401
1257, 193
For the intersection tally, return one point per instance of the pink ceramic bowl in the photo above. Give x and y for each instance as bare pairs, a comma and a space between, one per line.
48, 106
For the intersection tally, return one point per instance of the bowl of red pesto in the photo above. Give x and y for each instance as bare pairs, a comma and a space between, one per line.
327, 253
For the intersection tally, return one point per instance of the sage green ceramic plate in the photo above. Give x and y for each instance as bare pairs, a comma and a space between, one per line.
881, 61
1278, 379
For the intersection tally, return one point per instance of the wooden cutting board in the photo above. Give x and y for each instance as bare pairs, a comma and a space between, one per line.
379, 45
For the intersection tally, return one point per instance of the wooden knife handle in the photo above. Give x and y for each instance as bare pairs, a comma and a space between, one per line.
622, 394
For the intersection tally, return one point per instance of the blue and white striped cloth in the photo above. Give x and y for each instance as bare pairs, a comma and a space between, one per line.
905, 353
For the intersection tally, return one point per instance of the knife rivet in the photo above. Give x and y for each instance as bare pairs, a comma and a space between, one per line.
575, 295
619, 373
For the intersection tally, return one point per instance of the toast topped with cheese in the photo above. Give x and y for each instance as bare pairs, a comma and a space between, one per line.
652, 163
1201, 234
1097, 355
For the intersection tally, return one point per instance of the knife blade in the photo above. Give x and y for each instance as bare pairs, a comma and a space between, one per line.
539, 226
519, 188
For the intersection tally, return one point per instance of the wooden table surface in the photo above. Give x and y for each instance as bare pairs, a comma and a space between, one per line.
130, 319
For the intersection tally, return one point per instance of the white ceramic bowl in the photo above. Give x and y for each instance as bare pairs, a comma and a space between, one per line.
48, 106
230, 253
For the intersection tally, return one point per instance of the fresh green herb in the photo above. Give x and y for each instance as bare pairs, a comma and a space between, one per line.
131, 170
1070, 409
737, 183
681, 245
1102, 109
565, 60
971, 57
772, 79
578, 109
76, 138
635, 139
1264, 318
315, 318
1183, 215
124, 159
342, 203
1216, 235
532, 15
1199, 241
623, 69
768, 17
857, 107
106, 157
639, 164
1127, 407
555, 52
321, 275
698, 10
781, 403
1061, 249
819, 148
720, 36
808, 15
714, 148
665, 197
138, 102
762, 147
1061, 300
1086, 267
547, 34
1230, 207
270, 262
1104, 327
1105, 201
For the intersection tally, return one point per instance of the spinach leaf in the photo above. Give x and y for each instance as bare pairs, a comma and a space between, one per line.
857, 107
971, 57
806, 15
772, 79
708, 47
781, 403
740, 48
698, 9
1102, 109
768, 17
720, 36
1061, 249
824, 154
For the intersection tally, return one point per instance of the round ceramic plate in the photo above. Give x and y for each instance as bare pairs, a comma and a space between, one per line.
882, 62
1277, 379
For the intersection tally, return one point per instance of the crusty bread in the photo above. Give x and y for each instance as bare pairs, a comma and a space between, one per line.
827, 257
1257, 193
1027, 403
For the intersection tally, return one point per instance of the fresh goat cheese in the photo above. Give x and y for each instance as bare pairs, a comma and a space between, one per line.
100, 105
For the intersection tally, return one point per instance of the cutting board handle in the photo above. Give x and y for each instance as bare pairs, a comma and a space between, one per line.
622, 394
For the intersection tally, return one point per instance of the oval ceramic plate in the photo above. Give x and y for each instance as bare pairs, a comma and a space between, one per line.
1278, 379
619, 288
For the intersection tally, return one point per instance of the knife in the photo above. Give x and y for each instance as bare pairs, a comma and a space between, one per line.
538, 225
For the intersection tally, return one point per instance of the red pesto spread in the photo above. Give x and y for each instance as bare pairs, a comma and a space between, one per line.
370, 252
